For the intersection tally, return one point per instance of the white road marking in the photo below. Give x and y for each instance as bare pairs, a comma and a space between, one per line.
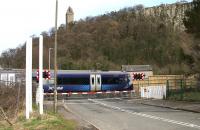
73, 103
148, 116
108, 99
75, 100
80, 117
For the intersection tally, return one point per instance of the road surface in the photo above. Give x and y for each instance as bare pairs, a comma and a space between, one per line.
121, 114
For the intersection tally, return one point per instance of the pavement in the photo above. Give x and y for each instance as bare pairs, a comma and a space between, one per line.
177, 105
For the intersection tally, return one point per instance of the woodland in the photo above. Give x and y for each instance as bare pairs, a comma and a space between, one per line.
117, 38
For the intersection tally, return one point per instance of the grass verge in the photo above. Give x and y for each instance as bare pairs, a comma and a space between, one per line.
48, 121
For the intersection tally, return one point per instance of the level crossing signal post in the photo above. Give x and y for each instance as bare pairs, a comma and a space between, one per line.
41, 92
29, 77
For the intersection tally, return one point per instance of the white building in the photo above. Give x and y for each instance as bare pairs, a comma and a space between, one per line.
10, 76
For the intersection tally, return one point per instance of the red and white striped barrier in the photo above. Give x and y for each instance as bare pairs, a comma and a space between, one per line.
89, 93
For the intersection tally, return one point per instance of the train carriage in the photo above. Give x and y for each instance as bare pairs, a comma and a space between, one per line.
91, 82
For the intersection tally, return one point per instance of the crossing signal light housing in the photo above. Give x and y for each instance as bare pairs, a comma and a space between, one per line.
138, 76
37, 77
46, 75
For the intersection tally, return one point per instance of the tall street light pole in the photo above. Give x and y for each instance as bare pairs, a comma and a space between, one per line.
50, 58
55, 60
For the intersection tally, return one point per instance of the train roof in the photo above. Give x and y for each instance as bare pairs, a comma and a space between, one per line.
97, 72
82, 72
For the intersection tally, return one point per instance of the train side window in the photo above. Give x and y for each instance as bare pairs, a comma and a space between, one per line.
59, 81
113, 80
92, 80
76, 81
98, 80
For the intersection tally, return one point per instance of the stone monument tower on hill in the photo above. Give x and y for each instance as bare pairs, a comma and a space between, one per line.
69, 16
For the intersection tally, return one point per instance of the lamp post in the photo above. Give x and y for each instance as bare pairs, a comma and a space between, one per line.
50, 58
55, 60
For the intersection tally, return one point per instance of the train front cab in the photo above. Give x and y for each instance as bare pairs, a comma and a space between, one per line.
115, 82
110, 82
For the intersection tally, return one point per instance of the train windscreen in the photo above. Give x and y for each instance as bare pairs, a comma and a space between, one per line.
114, 79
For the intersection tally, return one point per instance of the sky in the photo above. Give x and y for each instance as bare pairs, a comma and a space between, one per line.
21, 19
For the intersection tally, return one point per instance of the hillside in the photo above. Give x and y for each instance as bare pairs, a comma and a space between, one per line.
108, 41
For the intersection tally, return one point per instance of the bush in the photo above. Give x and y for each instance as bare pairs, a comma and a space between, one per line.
12, 98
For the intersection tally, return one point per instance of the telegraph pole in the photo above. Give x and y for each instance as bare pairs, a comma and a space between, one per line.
55, 60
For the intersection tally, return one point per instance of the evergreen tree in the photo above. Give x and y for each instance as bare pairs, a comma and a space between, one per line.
192, 19
191, 22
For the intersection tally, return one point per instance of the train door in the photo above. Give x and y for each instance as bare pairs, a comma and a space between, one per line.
98, 82
92, 82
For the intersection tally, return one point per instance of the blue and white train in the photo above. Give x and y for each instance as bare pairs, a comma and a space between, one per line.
90, 82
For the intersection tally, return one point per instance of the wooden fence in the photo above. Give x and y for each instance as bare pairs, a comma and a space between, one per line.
157, 80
